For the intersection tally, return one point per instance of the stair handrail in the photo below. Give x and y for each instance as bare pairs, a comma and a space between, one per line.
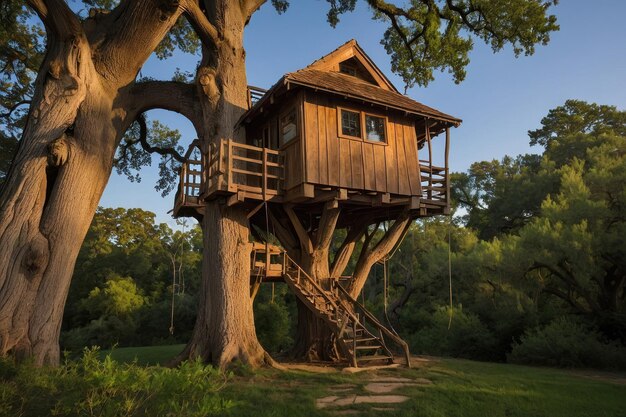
309, 279
375, 322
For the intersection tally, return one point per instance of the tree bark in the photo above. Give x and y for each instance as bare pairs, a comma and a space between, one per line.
224, 329
63, 163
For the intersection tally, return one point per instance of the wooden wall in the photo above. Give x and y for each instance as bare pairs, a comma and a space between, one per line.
293, 155
356, 164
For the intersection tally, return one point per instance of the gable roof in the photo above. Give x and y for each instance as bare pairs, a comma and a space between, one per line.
323, 75
351, 49
348, 86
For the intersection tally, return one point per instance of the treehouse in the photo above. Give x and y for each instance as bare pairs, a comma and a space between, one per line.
334, 135
337, 129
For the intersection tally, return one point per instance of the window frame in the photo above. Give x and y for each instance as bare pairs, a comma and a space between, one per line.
281, 142
340, 122
362, 115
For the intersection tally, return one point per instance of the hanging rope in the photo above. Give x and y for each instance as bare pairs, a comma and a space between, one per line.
450, 269
177, 288
173, 258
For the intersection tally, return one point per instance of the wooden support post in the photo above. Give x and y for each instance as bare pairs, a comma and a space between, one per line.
447, 173
430, 162
230, 185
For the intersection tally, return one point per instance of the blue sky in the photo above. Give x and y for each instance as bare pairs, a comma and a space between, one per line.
501, 98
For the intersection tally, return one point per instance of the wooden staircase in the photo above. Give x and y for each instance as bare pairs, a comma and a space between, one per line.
360, 336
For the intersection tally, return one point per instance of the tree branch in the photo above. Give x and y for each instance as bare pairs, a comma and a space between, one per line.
14, 107
326, 227
129, 35
305, 240
207, 32
57, 17
355, 233
369, 257
249, 7
175, 96
284, 235
143, 141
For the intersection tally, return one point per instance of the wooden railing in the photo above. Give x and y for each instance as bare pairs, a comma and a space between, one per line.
254, 95
191, 180
343, 313
434, 181
234, 167
369, 321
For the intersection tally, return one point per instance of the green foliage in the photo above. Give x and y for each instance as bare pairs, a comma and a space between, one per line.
120, 296
466, 336
274, 318
567, 343
425, 35
121, 292
134, 154
106, 388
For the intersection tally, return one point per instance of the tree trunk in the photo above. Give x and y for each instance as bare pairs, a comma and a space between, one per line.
314, 339
64, 160
224, 329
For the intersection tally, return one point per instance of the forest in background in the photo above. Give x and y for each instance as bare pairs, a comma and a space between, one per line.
536, 247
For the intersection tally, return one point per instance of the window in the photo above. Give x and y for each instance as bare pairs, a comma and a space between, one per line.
374, 128
346, 68
350, 123
355, 124
288, 127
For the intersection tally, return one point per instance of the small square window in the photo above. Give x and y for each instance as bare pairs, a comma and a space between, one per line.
346, 68
375, 128
350, 123
289, 128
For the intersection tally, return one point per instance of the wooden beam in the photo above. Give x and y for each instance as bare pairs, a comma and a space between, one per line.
300, 193
305, 240
236, 198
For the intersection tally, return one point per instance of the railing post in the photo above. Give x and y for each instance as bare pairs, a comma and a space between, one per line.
429, 192
446, 173
354, 338
229, 172
264, 169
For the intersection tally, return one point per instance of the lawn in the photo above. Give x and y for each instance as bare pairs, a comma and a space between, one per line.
434, 387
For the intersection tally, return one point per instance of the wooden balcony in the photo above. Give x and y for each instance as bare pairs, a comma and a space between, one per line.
243, 173
187, 202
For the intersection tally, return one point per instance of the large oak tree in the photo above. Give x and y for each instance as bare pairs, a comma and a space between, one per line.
86, 95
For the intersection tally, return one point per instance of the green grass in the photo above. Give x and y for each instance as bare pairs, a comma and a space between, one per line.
148, 355
460, 388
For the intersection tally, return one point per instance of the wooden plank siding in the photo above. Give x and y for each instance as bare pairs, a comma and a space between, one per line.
355, 164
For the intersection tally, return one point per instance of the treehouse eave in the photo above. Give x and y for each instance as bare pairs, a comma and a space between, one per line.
343, 87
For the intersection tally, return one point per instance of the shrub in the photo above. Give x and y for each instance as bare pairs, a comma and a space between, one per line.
467, 336
567, 343
106, 388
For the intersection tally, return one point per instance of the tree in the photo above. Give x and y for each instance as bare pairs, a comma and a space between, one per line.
86, 96
500, 197
573, 249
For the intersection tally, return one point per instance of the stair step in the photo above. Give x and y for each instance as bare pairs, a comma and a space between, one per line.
373, 358
360, 339
368, 347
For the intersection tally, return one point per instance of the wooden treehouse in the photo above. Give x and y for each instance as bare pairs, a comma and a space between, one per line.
336, 131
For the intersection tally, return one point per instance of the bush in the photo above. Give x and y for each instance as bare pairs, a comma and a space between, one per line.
567, 343
467, 336
105, 388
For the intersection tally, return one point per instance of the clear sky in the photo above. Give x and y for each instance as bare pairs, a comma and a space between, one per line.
500, 100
